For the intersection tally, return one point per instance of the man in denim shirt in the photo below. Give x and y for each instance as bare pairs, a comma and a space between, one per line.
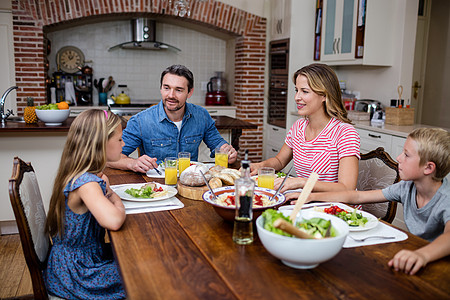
171, 126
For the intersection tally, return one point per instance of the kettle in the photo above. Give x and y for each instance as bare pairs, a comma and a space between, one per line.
121, 99
216, 87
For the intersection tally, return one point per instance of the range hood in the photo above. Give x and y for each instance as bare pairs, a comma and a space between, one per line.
144, 37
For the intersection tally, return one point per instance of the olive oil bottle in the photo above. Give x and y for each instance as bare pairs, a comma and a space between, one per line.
244, 188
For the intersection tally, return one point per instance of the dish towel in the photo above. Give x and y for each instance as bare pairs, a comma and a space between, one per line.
380, 230
132, 207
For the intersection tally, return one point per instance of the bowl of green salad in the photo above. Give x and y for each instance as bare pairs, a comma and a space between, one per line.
303, 253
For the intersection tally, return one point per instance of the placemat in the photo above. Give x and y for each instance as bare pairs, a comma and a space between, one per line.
132, 207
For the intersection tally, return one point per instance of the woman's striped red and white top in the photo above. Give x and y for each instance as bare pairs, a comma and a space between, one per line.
322, 154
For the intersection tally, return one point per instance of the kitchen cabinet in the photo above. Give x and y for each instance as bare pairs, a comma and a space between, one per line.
357, 32
339, 34
273, 142
280, 19
370, 140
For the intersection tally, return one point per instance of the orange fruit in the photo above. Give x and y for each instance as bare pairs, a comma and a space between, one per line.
63, 105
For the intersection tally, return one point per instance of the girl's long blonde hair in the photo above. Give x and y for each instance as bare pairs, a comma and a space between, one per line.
84, 151
323, 81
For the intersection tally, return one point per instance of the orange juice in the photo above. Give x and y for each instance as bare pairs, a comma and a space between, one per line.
170, 175
266, 181
183, 163
221, 159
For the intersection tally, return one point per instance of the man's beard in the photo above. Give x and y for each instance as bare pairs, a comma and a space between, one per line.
177, 108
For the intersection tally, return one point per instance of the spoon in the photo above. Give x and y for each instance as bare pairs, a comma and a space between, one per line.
304, 195
209, 187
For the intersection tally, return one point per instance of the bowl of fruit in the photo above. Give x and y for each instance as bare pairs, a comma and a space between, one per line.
53, 114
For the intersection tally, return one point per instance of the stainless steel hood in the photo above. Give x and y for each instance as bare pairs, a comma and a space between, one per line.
144, 37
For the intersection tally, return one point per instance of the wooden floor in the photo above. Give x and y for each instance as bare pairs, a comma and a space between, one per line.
15, 280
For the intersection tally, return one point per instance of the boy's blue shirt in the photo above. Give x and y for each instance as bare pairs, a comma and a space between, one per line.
429, 221
157, 136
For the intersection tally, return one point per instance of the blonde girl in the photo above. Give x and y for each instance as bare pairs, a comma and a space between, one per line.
323, 140
82, 205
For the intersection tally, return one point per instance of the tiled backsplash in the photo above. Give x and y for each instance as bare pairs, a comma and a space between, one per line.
141, 69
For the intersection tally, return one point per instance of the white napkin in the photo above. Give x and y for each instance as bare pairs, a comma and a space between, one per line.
380, 230
134, 207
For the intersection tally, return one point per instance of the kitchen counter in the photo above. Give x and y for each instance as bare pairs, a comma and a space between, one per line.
396, 130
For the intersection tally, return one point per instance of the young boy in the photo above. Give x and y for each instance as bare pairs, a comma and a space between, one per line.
424, 192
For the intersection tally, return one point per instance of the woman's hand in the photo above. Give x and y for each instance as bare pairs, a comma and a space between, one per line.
254, 168
290, 184
408, 261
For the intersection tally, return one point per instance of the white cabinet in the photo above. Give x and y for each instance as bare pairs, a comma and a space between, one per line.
371, 140
397, 146
338, 29
357, 32
280, 19
273, 141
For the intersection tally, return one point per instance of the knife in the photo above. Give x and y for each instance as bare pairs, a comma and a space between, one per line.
209, 187
282, 183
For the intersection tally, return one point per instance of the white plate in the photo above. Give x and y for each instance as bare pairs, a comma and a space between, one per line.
372, 221
120, 190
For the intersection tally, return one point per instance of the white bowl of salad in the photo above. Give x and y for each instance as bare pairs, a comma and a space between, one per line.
303, 253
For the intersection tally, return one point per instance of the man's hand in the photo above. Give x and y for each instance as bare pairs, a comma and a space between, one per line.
232, 153
142, 164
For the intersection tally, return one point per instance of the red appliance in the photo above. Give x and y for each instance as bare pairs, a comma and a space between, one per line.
216, 94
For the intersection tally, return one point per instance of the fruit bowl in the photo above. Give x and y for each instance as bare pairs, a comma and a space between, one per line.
228, 212
303, 253
53, 117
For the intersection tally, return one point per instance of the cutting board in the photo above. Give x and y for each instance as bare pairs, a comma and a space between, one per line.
191, 192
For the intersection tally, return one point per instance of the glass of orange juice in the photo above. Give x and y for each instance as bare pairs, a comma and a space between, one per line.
266, 177
221, 158
170, 176
184, 161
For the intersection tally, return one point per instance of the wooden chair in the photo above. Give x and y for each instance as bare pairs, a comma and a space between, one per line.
30, 216
378, 170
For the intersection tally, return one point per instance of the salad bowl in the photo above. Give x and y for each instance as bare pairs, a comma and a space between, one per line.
304, 253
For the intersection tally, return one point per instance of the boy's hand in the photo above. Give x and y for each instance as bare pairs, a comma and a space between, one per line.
407, 261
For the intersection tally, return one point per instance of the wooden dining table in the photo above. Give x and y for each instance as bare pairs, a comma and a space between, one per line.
188, 253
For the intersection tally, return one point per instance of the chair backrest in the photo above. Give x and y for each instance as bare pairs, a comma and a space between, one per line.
378, 170
30, 216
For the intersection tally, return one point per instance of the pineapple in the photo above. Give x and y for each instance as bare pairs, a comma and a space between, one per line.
29, 114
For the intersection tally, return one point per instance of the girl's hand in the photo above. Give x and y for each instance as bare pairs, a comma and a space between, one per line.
254, 168
407, 261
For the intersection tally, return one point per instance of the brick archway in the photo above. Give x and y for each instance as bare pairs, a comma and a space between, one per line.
30, 17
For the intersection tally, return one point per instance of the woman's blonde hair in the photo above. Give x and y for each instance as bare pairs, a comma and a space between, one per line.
323, 81
433, 145
84, 151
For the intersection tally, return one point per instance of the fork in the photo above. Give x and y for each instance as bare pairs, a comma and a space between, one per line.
372, 237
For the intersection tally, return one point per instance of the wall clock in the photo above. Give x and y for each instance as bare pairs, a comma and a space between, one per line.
69, 58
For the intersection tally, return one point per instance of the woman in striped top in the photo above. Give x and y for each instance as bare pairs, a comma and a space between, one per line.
323, 140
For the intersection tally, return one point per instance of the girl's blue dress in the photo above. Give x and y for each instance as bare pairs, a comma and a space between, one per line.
77, 267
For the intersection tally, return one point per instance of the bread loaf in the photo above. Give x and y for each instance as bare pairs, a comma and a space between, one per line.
192, 177
226, 179
215, 183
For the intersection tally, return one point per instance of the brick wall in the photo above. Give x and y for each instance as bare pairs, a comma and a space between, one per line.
30, 16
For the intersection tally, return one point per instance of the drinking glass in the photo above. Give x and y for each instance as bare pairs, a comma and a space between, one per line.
266, 177
221, 158
170, 170
184, 161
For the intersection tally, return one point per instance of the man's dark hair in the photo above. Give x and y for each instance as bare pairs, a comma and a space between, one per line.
180, 70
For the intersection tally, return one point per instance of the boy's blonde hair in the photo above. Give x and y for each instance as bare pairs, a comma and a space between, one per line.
433, 145
84, 151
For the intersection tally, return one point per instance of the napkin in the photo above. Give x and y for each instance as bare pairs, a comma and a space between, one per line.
133, 207
380, 230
